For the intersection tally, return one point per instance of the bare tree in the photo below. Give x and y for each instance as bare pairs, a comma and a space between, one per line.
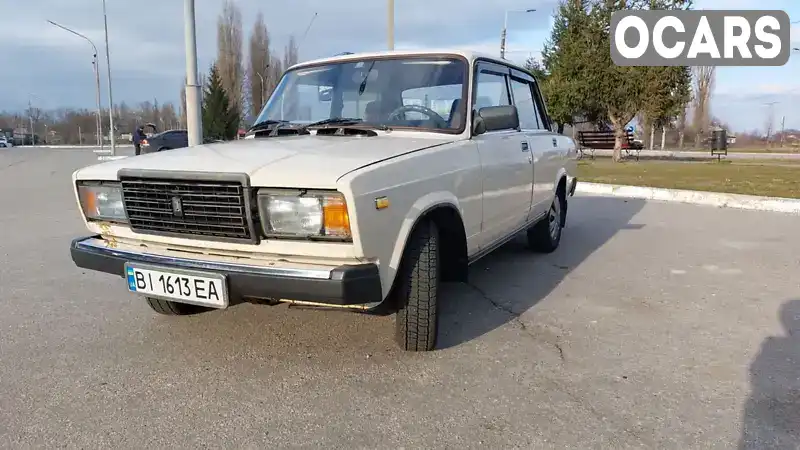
76, 126
291, 54
229, 54
260, 82
290, 58
681, 125
770, 122
703, 87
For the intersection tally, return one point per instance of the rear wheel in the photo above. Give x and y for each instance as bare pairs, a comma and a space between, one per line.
416, 322
169, 308
545, 236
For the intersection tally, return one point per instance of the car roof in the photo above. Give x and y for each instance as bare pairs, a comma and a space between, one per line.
467, 54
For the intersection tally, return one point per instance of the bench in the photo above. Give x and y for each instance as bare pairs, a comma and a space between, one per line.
605, 140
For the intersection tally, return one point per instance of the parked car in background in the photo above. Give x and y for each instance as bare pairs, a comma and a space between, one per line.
168, 140
5, 142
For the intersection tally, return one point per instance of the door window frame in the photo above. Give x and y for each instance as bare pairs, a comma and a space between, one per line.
507, 70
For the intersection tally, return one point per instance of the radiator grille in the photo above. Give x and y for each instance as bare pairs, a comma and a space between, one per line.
193, 208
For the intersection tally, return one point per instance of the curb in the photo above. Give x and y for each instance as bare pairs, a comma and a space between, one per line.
717, 199
80, 147
697, 155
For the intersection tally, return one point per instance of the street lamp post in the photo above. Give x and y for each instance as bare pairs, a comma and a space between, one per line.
505, 28
194, 119
111, 133
390, 24
96, 69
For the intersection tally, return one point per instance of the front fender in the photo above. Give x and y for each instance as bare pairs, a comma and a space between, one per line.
418, 210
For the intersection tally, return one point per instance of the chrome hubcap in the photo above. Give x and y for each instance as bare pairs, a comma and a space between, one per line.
555, 219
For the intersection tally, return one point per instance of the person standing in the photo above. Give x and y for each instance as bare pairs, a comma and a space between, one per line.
138, 135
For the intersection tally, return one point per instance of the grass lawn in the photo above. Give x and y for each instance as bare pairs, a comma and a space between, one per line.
768, 178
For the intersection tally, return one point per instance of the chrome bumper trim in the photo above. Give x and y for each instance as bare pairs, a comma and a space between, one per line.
93, 245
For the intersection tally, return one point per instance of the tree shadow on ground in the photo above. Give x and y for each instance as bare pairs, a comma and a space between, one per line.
511, 280
772, 413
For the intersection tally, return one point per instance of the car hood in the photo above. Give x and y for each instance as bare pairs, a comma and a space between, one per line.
293, 161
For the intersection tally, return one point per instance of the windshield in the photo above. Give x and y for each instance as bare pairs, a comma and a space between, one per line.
400, 92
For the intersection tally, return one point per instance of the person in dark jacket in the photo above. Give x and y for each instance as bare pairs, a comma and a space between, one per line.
138, 135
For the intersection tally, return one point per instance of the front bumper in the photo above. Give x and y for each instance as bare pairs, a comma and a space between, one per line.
342, 286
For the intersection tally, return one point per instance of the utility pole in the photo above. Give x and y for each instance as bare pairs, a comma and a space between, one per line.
783, 128
505, 29
390, 24
194, 119
770, 119
111, 134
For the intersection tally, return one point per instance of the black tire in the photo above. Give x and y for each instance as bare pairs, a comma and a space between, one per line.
416, 321
545, 236
169, 308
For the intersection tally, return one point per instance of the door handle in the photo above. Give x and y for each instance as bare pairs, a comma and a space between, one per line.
524, 146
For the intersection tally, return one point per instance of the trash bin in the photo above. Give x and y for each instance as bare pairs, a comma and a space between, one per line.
719, 142
719, 139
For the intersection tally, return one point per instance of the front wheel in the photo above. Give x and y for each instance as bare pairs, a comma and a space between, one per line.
545, 236
169, 308
416, 322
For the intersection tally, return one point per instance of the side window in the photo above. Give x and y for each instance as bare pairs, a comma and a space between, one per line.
526, 108
490, 90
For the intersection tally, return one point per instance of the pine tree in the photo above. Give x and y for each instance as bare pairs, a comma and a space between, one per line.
565, 65
220, 120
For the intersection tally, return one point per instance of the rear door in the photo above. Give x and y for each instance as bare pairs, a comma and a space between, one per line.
544, 143
506, 166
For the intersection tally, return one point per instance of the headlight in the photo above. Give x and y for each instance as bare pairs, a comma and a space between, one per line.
304, 214
102, 201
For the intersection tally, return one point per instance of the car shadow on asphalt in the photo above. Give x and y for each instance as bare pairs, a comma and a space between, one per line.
771, 416
512, 280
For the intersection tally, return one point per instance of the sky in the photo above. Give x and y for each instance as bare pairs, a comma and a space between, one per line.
51, 68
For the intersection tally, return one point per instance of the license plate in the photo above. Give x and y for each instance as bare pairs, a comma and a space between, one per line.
183, 286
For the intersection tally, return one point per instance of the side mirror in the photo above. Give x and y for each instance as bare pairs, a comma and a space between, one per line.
496, 118
325, 93
478, 126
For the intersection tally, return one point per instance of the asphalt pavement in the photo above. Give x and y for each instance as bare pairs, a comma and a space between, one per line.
653, 326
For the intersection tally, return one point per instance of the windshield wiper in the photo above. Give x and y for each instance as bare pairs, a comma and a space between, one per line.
333, 121
264, 124
344, 121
